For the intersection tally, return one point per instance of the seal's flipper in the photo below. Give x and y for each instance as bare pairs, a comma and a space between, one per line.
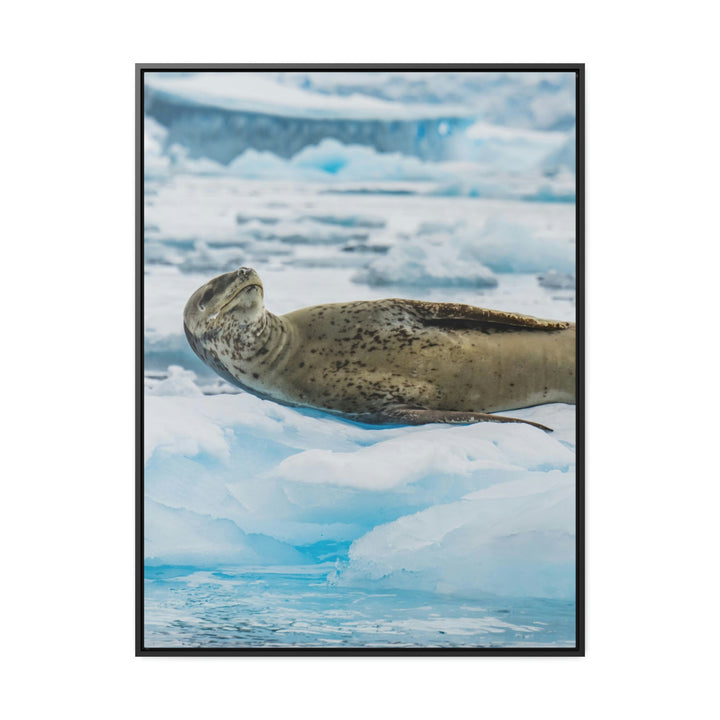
459, 315
421, 416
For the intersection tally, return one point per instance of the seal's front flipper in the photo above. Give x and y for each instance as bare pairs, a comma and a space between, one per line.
421, 416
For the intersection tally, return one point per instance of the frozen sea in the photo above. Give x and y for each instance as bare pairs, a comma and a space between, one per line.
268, 526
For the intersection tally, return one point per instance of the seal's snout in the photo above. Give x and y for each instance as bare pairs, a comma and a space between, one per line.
245, 278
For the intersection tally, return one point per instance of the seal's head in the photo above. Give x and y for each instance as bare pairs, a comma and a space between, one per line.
234, 299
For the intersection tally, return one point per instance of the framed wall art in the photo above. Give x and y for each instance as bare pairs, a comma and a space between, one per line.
360, 359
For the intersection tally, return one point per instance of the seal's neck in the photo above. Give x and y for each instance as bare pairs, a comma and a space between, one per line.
264, 342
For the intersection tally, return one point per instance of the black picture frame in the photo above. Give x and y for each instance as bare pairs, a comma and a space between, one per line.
579, 649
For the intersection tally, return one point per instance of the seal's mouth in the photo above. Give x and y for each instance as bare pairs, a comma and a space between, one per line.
236, 295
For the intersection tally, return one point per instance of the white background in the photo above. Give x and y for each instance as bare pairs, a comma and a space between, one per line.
68, 359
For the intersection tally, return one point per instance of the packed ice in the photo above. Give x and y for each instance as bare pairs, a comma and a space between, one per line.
273, 525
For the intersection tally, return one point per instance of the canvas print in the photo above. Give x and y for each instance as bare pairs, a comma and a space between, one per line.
359, 301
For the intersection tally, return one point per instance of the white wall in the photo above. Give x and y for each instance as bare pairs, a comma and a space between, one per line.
67, 278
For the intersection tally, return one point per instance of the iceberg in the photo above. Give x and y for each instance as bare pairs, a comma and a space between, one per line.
514, 538
180, 537
455, 256
502, 163
506, 247
427, 264
306, 479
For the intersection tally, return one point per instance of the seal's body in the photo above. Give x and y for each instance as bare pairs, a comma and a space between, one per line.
384, 361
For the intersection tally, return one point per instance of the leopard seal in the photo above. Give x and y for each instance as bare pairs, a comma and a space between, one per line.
383, 361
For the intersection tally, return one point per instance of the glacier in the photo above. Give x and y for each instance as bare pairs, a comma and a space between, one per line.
273, 526
219, 115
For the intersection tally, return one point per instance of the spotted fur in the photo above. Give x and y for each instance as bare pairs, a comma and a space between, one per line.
384, 361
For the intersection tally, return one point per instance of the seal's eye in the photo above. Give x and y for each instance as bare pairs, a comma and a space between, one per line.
206, 298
